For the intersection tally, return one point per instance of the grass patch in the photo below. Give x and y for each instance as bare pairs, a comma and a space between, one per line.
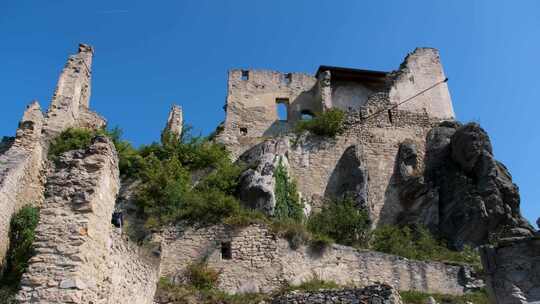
21, 237
329, 123
416, 297
189, 294
420, 244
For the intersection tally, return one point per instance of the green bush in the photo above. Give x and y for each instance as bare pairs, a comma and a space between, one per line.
341, 221
246, 217
21, 237
416, 297
329, 123
419, 244
202, 277
295, 233
70, 139
288, 205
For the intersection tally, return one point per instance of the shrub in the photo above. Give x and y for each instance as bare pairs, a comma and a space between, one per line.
329, 123
417, 297
295, 233
21, 237
288, 205
202, 277
419, 244
320, 242
341, 221
70, 139
246, 217
130, 162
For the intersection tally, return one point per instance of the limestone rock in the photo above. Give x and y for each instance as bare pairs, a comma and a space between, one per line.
473, 193
257, 186
513, 270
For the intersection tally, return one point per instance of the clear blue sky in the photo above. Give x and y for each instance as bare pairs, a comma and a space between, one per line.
150, 54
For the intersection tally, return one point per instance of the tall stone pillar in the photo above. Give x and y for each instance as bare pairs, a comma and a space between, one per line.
174, 123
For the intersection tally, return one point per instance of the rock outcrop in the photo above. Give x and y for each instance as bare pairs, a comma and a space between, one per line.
465, 194
257, 186
373, 294
513, 270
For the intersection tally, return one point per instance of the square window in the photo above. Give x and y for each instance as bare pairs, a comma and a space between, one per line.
245, 75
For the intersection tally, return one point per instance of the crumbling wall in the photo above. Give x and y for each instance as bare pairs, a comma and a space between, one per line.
513, 270
76, 260
380, 293
21, 172
251, 105
421, 70
259, 261
70, 103
175, 122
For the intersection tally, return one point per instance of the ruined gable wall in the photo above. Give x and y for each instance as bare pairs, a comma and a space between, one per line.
21, 172
350, 94
76, 260
251, 104
421, 69
70, 103
260, 261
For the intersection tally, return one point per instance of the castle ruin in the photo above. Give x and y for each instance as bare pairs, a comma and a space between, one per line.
400, 142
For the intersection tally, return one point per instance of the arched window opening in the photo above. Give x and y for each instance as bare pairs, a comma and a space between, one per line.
306, 115
281, 104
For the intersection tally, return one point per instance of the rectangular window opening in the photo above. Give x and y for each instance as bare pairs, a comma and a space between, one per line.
243, 131
282, 104
390, 118
287, 78
226, 250
245, 75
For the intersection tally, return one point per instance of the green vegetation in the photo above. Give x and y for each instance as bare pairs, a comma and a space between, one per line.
416, 297
329, 123
168, 194
202, 277
191, 294
341, 221
70, 139
288, 205
419, 244
22, 234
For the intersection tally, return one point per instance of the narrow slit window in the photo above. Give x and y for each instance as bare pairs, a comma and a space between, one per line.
281, 107
245, 75
390, 118
226, 250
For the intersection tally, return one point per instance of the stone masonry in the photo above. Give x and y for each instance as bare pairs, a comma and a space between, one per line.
175, 122
381, 293
21, 172
70, 104
78, 257
253, 259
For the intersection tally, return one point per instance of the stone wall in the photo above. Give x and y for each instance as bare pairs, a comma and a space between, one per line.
371, 294
422, 69
70, 103
513, 270
21, 172
251, 104
259, 261
78, 258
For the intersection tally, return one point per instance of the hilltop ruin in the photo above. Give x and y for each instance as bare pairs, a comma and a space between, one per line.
400, 156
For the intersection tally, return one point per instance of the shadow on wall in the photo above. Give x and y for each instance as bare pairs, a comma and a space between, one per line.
349, 178
392, 205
